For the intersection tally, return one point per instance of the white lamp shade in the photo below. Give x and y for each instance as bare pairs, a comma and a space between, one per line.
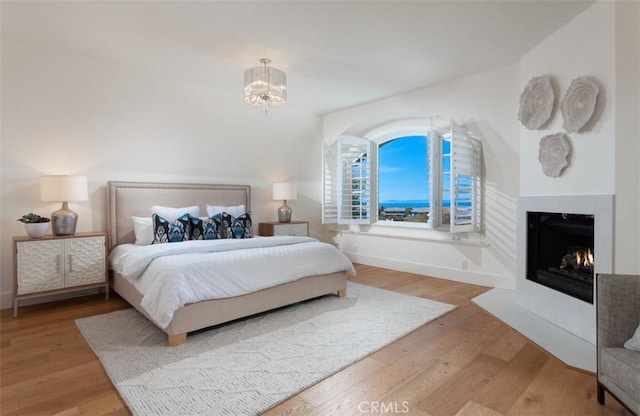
285, 191
265, 86
61, 188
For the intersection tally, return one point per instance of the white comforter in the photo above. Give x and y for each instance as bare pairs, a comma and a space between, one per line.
172, 275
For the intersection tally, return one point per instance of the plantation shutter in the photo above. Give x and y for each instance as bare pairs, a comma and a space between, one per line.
331, 182
347, 178
354, 198
465, 182
433, 165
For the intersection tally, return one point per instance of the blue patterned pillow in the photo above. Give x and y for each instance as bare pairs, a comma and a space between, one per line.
243, 226
196, 228
210, 230
203, 229
224, 222
232, 227
165, 232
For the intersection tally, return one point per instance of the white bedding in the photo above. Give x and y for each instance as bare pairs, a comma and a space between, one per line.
172, 275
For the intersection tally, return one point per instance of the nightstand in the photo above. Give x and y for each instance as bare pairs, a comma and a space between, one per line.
58, 264
296, 228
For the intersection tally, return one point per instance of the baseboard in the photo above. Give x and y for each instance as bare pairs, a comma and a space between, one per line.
464, 276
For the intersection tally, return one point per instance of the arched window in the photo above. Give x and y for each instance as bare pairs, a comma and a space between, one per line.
429, 176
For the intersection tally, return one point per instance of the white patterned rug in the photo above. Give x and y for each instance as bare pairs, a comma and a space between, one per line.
250, 365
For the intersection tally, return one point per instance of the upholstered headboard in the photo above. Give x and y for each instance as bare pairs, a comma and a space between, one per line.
127, 199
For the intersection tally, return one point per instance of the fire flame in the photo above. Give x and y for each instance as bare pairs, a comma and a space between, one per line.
581, 260
584, 258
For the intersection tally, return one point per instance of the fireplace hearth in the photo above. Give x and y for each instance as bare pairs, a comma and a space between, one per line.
560, 252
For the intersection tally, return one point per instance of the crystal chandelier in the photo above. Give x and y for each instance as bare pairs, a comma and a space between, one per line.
264, 86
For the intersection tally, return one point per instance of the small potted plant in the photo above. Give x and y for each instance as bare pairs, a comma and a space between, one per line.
35, 225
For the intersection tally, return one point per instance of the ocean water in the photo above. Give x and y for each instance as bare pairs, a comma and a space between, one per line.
405, 204
417, 204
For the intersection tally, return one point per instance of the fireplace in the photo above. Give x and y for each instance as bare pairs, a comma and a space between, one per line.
560, 252
551, 281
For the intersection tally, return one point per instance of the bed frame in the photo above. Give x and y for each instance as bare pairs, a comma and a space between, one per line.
127, 199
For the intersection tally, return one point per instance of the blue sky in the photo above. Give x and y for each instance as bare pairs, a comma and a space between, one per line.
403, 169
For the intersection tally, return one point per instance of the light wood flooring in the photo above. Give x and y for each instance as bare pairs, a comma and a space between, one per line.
464, 363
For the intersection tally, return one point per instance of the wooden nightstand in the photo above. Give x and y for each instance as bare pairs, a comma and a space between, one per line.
58, 264
297, 228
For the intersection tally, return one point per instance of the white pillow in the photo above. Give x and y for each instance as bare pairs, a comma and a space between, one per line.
143, 229
171, 214
634, 342
235, 210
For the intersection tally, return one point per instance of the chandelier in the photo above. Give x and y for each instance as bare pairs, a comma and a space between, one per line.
264, 86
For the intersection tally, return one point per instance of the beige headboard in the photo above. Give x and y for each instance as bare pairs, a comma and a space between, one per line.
127, 199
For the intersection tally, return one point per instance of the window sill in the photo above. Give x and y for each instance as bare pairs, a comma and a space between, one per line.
416, 234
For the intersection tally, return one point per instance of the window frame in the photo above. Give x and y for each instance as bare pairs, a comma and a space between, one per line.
465, 160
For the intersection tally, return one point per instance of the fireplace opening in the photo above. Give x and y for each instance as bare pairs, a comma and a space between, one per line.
560, 252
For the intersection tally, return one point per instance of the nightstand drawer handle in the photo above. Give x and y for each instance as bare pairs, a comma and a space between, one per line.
70, 263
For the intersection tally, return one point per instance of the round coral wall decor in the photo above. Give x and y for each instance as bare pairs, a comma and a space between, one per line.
554, 154
579, 103
536, 102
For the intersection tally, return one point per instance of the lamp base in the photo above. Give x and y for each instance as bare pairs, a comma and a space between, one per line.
284, 213
64, 221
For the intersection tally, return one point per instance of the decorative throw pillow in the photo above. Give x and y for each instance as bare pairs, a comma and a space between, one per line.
634, 342
210, 230
203, 229
224, 223
232, 227
242, 226
196, 228
170, 232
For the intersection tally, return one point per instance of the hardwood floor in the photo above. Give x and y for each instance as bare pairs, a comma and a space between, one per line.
464, 363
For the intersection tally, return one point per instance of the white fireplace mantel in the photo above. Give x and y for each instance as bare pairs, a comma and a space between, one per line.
574, 315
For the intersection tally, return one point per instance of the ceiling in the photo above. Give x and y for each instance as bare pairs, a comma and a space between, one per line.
336, 54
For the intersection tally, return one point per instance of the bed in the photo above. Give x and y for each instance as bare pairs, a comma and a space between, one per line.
129, 199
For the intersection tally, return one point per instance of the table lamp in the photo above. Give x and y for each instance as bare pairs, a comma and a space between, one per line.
284, 191
63, 188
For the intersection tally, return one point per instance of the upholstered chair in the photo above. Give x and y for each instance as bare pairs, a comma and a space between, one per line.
618, 309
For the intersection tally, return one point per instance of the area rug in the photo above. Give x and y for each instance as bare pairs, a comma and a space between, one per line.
250, 365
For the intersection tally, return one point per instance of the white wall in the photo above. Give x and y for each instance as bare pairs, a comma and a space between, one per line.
73, 114
486, 105
627, 153
584, 46
602, 42
68, 113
